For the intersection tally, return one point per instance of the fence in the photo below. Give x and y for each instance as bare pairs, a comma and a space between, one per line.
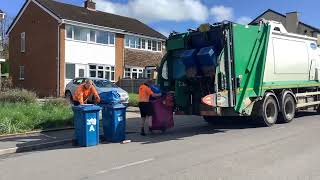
130, 85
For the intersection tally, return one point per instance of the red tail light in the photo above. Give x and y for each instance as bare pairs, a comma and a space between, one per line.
208, 100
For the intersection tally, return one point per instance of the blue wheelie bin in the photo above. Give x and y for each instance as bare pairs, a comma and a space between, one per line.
86, 123
114, 122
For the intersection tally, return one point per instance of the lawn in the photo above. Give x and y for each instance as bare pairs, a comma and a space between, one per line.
133, 99
20, 112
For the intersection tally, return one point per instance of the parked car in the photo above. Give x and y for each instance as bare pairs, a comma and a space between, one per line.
102, 85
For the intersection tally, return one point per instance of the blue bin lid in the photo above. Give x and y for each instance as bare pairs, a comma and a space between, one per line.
206, 50
87, 107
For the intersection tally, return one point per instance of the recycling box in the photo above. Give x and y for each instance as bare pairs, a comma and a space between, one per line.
86, 123
114, 122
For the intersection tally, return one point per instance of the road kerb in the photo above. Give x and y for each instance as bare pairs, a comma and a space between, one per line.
35, 147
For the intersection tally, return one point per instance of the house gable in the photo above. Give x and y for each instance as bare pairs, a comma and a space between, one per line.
22, 10
39, 60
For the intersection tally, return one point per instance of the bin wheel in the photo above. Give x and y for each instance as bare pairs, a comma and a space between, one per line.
288, 109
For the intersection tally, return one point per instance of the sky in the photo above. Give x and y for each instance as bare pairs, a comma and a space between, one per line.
179, 15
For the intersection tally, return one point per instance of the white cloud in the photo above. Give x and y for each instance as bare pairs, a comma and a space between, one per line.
244, 20
157, 10
221, 13
164, 32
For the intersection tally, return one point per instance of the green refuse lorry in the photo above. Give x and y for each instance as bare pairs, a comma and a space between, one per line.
228, 69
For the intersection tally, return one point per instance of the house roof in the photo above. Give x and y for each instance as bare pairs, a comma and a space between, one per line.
1, 11
99, 18
282, 16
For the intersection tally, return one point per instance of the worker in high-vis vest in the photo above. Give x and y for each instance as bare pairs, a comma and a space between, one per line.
84, 91
145, 107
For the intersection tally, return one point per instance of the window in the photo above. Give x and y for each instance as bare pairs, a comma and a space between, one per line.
154, 45
92, 36
127, 41
132, 42
112, 73
149, 44
133, 73
21, 72
102, 37
102, 71
143, 44
69, 30
159, 46
70, 71
93, 70
80, 33
140, 43
148, 73
81, 72
89, 35
23, 42
127, 73
111, 38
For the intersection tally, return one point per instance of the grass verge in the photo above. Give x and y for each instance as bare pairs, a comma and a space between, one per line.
19, 117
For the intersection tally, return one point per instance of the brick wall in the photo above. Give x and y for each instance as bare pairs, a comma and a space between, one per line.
40, 57
119, 64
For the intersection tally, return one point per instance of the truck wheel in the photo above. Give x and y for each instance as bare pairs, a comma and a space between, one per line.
288, 109
210, 119
269, 111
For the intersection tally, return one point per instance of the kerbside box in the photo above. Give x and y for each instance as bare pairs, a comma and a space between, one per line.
86, 124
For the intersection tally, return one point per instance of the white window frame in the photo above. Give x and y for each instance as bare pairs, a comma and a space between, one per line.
23, 42
104, 70
138, 43
138, 70
21, 75
88, 39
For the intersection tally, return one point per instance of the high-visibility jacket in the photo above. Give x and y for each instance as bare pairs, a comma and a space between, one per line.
144, 93
82, 94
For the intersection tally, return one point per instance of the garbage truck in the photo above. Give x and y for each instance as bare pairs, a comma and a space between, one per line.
227, 69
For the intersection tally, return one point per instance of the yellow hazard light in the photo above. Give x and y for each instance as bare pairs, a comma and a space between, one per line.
204, 27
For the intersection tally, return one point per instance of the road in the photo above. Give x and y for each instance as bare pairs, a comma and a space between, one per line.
192, 150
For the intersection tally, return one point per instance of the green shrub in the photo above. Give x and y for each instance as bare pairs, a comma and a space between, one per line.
18, 95
133, 99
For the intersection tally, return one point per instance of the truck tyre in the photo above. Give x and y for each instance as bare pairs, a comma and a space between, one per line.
288, 109
269, 111
210, 119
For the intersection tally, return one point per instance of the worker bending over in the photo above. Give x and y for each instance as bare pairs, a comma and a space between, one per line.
145, 107
84, 91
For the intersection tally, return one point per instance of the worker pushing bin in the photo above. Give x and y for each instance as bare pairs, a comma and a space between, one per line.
113, 117
86, 123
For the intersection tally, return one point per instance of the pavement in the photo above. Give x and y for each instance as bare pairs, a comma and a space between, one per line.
230, 149
40, 140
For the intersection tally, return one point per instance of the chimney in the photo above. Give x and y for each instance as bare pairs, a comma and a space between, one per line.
90, 5
292, 22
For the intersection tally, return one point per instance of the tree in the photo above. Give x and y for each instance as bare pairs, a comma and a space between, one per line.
4, 43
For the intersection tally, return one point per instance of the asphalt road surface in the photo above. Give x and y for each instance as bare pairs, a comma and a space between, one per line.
192, 150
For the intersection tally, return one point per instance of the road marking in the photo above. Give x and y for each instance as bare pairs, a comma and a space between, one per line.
125, 166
